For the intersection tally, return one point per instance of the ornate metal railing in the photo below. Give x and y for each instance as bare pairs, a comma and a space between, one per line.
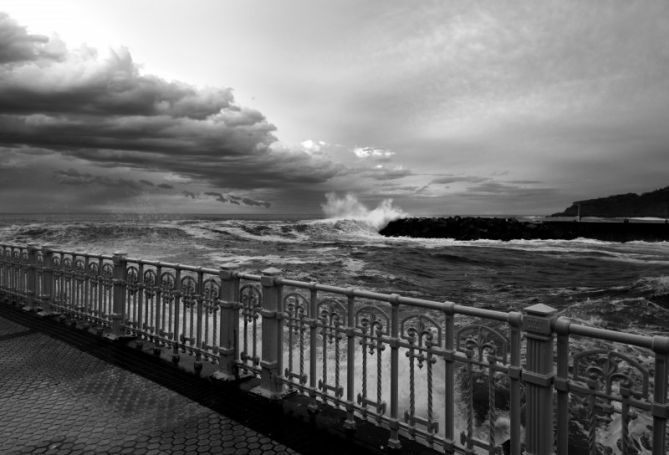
460, 379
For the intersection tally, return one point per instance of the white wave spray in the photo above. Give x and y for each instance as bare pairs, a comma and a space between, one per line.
350, 208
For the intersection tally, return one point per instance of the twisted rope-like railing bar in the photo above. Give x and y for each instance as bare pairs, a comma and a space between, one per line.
245, 324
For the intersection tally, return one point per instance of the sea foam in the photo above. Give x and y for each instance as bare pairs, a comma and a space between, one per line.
350, 208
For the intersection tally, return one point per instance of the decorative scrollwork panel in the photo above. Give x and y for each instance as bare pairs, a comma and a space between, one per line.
211, 291
372, 324
297, 323
190, 295
331, 317
424, 336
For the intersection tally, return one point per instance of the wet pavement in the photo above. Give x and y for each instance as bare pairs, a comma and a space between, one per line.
57, 399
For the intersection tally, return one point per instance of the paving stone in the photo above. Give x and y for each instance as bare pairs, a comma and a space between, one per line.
57, 399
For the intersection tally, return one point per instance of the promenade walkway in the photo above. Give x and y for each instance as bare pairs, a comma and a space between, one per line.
56, 399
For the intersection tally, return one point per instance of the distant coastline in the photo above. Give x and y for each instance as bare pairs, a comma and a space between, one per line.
630, 205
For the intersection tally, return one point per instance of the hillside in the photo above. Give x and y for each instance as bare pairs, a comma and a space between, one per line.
651, 204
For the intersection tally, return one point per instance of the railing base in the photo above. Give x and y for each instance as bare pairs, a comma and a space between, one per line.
119, 338
271, 395
349, 424
222, 376
314, 407
394, 445
229, 378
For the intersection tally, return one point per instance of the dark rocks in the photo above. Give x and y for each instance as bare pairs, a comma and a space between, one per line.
472, 228
459, 228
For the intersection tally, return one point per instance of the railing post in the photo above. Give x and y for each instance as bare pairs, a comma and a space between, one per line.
349, 423
3, 267
271, 385
449, 378
31, 278
313, 348
2, 272
119, 280
177, 317
198, 326
228, 340
394, 343
17, 270
660, 404
6, 267
538, 377
140, 326
9, 273
562, 385
515, 321
47, 294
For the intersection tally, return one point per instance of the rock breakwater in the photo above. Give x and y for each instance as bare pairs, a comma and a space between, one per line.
473, 228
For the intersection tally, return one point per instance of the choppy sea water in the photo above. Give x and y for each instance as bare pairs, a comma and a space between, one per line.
620, 286
612, 285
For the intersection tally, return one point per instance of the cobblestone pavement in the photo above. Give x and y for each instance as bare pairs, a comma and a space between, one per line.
55, 399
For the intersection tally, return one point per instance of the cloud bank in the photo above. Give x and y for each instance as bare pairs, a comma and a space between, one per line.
101, 110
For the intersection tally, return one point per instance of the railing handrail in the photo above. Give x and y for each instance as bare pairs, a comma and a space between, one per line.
657, 343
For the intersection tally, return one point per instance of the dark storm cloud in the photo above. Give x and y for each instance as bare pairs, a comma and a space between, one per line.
74, 177
254, 203
492, 189
525, 182
218, 196
104, 111
237, 200
389, 174
501, 197
448, 179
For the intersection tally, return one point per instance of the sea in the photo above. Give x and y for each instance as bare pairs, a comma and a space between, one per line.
621, 286
618, 286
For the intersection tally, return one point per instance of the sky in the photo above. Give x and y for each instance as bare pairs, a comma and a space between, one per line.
249, 106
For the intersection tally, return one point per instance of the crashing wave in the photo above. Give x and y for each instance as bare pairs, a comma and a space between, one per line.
350, 208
